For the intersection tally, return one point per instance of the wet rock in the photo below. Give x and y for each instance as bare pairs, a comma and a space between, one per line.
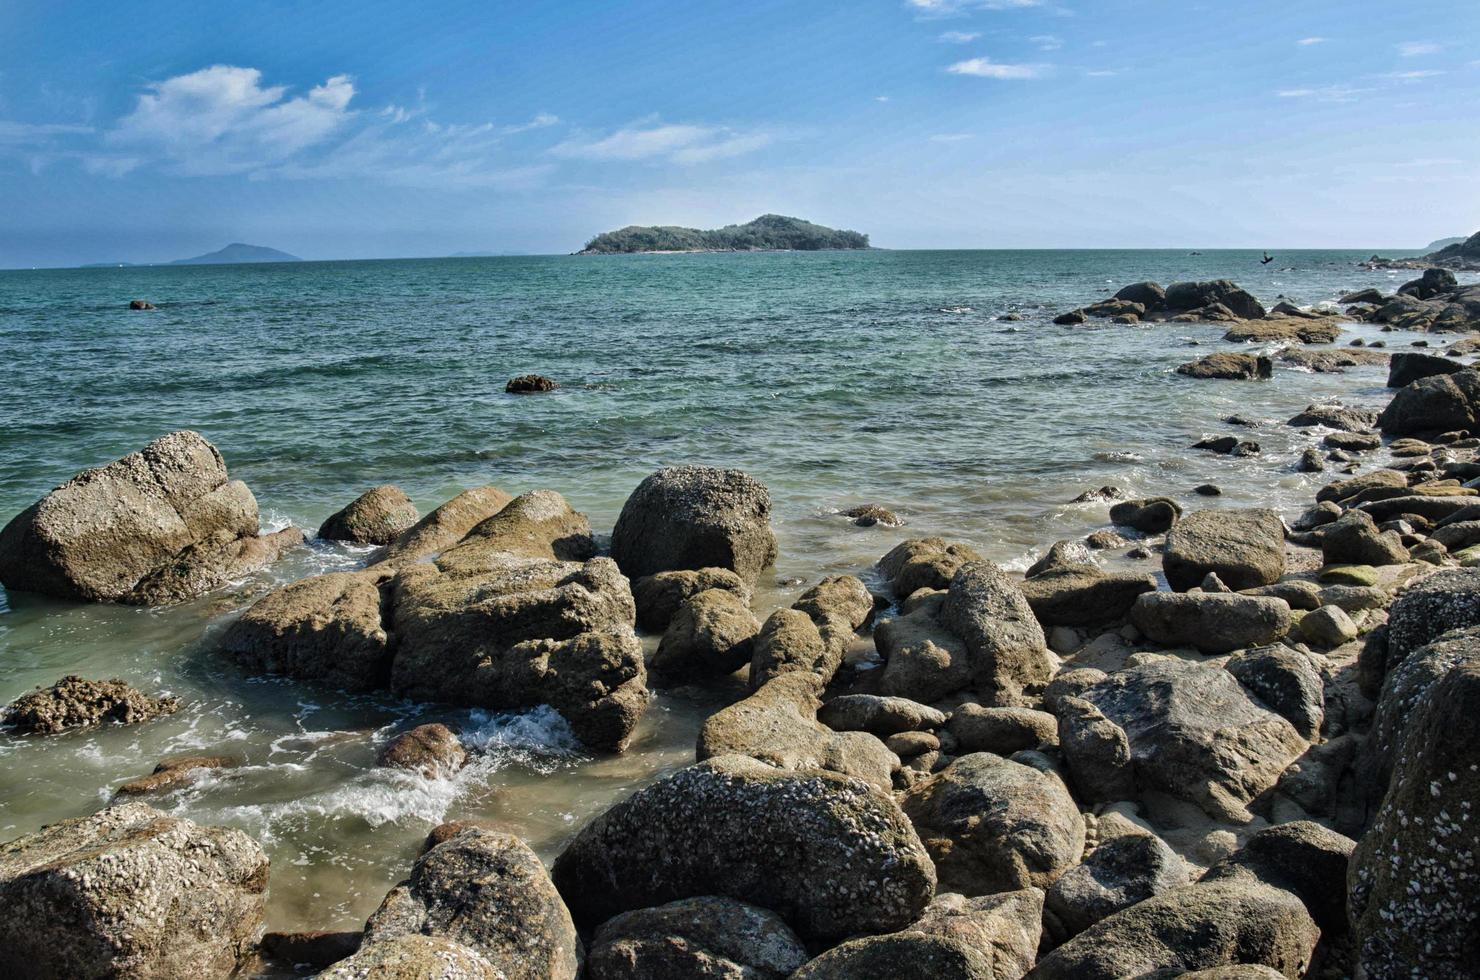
1433, 282
1229, 366
1414, 890
1149, 294
1358, 442
1301, 857
414, 957
1002, 731
1196, 295
1442, 602
778, 725
1153, 516
174, 772
1062, 554
869, 515
1008, 652
1207, 490
713, 634
1244, 547
1116, 875
313, 949
1070, 319
1104, 541
1287, 683
140, 304
129, 891
168, 511
696, 937
1435, 404
1096, 750
1310, 462
924, 563
658, 597
1406, 368
1211, 622
75, 702
879, 716
831, 855
1083, 595
445, 526
1335, 417
1196, 927
377, 516
691, 517
1195, 734
433, 750
328, 628
924, 661
1228, 446
1307, 328
1355, 540
814, 634
489, 892
1373, 296
1100, 494
993, 825
1327, 627
529, 384
1106, 309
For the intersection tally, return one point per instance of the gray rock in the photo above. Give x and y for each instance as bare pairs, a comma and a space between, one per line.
1285, 682
414, 957
129, 892
814, 634
1002, 731
924, 661
489, 892
832, 855
1211, 622
445, 526
1355, 540
1301, 857
1097, 752
712, 634
1149, 294
924, 563
378, 516
993, 825
695, 937
901, 956
1009, 654
907, 745
878, 715
432, 750
1441, 403
1245, 548
1062, 554
76, 702
1406, 368
1328, 626
1116, 875
1442, 602
1083, 595
1006, 926
1297, 593
1229, 366
691, 517
658, 597
1151, 516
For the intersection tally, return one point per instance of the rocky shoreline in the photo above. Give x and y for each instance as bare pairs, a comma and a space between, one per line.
1246, 754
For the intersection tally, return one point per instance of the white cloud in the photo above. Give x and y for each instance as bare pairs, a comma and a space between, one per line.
1102, 73
1306, 42
959, 37
1325, 93
1414, 49
1047, 42
30, 134
987, 68
676, 142
949, 8
541, 120
881, 98
950, 137
1410, 75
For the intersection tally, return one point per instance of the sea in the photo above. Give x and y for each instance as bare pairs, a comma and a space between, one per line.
836, 378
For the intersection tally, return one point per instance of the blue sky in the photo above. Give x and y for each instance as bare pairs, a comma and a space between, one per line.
150, 131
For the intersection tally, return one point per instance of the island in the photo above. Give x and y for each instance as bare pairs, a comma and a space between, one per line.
236, 253
768, 233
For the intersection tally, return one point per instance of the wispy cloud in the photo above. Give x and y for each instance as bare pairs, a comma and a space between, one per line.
30, 134
1414, 49
1047, 42
959, 37
1306, 42
1411, 75
1102, 73
881, 98
1324, 93
950, 8
987, 68
680, 143
950, 137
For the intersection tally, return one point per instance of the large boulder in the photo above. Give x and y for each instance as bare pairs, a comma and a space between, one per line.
1183, 296
778, 725
414, 957
1195, 734
813, 635
1116, 875
1008, 653
1441, 403
378, 516
695, 517
1192, 928
994, 825
1301, 857
1427, 610
924, 563
489, 892
129, 892
445, 526
695, 937
832, 855
1083, 595
167, 517
923, 661
1244, 547
1406, 367
1433, 282
659, 596
1229, 366
1148, 294
1213, 622
1286, 682
1353, 539
76, 702
711, 635
1413, 886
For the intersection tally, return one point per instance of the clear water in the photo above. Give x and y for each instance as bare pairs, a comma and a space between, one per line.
837, 378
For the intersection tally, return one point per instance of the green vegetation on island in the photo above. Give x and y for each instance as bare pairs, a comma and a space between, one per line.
769, 232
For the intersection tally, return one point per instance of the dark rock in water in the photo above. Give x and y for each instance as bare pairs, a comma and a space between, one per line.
1213, 623
529, 384
489, 892
1440, 403
414, 957
378, 516
1228, 446
924, 563
1197, 295
1151, 516
1103, 493
1373, 296
1335, 417
1116, 875
1414, 890
1304, 327
1241, 420
432, 750
692, 938
160, 525
1360, 442
869, 514
75, 702
659, 597
711, 635
1072, 318
690, 517
1148, 294
1200, 926
829, 854
140, 304
1245, 547
992, 825
1405, 368
317, 949
1229, 366
1434, 282
129, 892
1111, 308
174, 772
1207, 490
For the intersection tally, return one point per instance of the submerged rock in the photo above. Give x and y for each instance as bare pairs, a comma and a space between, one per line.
695, 937
690, 517
432, 750
831, 855
377, 516
1229, 366
174, 772
129, 891
75, 702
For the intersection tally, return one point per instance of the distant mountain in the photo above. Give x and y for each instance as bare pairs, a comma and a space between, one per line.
1463, 249
1443, 243
238, 252
769, 232
107, 265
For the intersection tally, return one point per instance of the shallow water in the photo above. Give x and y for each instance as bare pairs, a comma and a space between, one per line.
836, 378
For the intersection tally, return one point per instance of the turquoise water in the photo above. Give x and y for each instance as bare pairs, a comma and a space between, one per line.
836, 378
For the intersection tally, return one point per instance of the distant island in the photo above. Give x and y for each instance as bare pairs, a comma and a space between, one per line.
238, 253
1443, 243
768, 233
